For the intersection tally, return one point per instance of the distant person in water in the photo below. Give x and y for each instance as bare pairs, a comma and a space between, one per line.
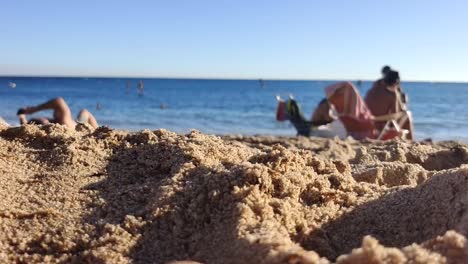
386, 97
140, 87
262, 83
129, 84
62, 114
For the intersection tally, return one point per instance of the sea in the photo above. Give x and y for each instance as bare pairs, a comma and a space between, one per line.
221, 107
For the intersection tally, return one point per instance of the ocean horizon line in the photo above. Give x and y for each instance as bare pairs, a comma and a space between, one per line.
214, 78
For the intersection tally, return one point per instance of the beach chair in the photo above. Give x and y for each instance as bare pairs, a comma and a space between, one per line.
357, 118
394, 124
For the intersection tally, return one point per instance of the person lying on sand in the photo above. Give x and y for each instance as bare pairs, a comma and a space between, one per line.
62, 114
386, 97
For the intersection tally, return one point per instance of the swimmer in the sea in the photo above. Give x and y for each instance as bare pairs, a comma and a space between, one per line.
128, 86
140, 87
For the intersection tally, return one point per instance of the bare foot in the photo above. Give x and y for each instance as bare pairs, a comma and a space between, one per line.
26, 111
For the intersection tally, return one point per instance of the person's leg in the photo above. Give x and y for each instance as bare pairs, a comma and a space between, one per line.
321, 115
86, 117
62, 113
22, 118
409, 126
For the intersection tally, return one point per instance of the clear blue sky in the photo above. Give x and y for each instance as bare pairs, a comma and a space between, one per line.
281, 39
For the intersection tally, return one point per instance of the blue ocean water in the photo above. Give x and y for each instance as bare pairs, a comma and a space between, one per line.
222, 106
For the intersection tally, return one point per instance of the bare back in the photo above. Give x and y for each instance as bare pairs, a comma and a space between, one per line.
381, 101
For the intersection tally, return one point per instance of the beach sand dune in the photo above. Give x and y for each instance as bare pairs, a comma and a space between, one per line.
108, 196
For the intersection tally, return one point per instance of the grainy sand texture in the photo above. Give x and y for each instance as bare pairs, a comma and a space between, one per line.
108, 196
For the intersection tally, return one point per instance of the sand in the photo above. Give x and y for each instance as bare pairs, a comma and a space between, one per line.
107, 196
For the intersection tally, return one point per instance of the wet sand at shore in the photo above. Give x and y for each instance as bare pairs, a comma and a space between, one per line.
108, 196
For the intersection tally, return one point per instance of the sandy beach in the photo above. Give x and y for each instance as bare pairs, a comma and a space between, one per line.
108, 196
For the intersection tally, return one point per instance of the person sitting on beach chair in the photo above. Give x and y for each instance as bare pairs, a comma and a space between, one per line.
386, 97
62, 114
348, 111
380, 83
358, 120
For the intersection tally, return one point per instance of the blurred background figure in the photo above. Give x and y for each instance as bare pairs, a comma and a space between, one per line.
262, 83
140, 87
386, 97
61, 114
129, 84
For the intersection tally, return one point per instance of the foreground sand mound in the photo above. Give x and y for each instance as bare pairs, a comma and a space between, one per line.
107, 196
